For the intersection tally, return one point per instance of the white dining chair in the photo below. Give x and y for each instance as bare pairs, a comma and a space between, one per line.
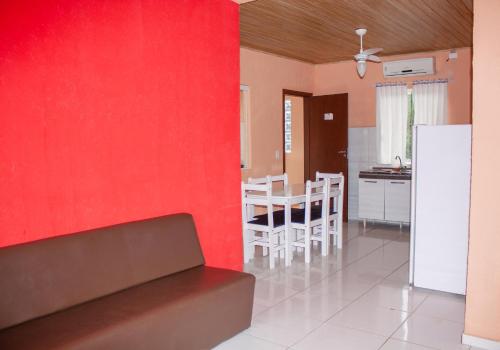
336, 212
304, 221
258, 180
270, 178
266, 230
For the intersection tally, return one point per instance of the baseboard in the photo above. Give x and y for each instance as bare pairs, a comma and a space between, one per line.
480, 342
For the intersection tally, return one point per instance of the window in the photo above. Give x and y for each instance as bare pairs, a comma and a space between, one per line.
392, 117
399, 108
244, 127
288, 126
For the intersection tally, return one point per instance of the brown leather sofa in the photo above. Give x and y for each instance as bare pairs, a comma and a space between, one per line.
139, 285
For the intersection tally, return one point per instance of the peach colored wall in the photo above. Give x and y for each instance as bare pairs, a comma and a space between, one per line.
482, 318
341, 77
267, 75
294, 161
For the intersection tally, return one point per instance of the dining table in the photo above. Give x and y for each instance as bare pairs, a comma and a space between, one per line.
288, 196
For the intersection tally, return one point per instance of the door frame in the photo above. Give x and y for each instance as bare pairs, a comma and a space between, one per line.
303, 94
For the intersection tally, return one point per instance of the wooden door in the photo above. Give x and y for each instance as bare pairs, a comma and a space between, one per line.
326, 137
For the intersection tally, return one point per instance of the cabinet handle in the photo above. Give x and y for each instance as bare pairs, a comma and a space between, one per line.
397, 182
372, 182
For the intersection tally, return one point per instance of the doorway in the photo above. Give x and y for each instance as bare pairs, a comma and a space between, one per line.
293, 147
315, 137
294, 106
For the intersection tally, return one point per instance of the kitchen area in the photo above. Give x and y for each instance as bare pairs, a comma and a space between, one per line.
385, 194
428, 202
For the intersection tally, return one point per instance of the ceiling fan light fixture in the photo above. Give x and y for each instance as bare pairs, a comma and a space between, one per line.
364, 55
361, 67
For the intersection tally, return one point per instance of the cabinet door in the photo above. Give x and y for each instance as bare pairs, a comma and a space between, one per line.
371, 199
397, 200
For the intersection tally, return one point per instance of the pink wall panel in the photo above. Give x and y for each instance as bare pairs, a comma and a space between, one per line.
112, 111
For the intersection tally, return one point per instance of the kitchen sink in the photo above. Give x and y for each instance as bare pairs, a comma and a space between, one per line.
390, 170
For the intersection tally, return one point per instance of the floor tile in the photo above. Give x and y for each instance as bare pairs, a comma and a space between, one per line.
296, 280
369, 318
268, 293
310, 304
344, 285
359, 247
432, 332
370, 268
393, 344
331, 337
392, 255
394, 295
271, 326
400, 275
389, 234
258, 308
354, 229
247, 342
354, 298
447, 306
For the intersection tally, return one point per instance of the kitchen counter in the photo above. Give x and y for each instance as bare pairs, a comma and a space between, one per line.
385, 194
383, 174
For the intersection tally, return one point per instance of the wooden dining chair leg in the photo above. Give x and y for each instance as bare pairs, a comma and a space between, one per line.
246, 246
265, 250
272, 252
339, 232
307, 244
324, 241
281, 240
335, 232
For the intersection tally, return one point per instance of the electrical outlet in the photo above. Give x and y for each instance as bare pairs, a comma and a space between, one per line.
277, 154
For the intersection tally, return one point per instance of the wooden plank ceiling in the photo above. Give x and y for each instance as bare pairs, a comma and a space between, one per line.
320, 31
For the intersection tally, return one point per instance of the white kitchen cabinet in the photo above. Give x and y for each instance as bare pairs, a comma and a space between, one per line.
384, 200
397, 200
371, 199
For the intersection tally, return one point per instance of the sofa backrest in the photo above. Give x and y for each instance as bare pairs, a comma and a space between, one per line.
41, 277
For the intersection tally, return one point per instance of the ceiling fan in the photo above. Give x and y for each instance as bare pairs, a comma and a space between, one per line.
364, 55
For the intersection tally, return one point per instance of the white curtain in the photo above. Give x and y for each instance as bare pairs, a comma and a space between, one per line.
430, 99
392, 118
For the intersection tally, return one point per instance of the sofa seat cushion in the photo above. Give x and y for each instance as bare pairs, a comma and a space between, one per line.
54, 274
193, 309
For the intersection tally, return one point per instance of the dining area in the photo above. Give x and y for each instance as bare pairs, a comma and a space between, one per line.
283, 220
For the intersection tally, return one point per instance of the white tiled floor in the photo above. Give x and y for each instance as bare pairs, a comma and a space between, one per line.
356, 298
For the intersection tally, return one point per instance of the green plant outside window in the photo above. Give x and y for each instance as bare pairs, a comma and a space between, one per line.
409, 130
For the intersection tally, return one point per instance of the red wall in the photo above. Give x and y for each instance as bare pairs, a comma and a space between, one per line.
112, 111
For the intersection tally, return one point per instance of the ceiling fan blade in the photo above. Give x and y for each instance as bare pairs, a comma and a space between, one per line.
372, 51
374, 58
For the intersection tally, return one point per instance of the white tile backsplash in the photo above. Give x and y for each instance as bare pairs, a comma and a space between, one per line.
362, 155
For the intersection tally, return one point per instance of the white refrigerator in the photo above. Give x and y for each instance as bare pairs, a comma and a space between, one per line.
441, 169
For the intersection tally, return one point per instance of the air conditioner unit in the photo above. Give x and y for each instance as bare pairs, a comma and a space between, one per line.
419, 66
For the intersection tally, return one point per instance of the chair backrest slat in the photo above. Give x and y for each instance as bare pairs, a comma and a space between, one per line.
269, 178
316, 191
335, 189
248, 201
258, 180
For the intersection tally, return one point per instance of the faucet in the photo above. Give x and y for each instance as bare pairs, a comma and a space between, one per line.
400, 162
